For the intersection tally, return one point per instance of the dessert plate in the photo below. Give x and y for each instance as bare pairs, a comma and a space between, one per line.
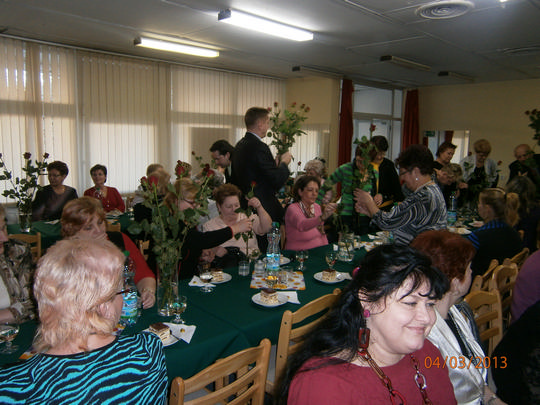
171, 340
226, 277
282, 299
339, 278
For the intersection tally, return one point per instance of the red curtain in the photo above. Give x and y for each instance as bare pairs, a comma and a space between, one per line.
345, 123
411, 130
448, 135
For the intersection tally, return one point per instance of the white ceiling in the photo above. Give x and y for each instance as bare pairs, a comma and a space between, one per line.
492, 42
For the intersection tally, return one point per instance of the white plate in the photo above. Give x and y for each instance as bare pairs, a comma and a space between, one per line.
171, 340
282, 260
461, 231
318, 277
282, 299
226, 277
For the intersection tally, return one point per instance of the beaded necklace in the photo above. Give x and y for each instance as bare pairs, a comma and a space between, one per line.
310, 214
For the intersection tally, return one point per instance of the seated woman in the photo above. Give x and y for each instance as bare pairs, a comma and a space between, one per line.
372, 347
16, 274
227, 198
50, 200
423, 209
109, 196
195, 241
496, 239
78, 290
84, 218
304, 219
529, 210
453, 334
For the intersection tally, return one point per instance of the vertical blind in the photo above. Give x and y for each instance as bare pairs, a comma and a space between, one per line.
86, 108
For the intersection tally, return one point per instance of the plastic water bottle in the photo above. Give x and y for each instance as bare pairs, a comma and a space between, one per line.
129, 308
452, 209
273, 252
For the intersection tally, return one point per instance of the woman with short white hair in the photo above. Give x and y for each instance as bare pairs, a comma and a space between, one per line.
78, 288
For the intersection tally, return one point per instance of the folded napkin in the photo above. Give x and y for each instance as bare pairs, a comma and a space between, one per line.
345, 276
184, 332
291, 295
197, 282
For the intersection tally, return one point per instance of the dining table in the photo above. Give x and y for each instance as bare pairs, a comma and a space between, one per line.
227, 319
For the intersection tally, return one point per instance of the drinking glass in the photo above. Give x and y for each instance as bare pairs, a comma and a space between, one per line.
271, 278
179, 306
301, 256
8, 332
331, 258
243, 268
206, 276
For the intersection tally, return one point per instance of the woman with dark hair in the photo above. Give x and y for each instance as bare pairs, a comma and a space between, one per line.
423, 209
454, 334
444, 155
50, 200
529, 210
496, 239
304, 219
388, 189
109, 196
371, 348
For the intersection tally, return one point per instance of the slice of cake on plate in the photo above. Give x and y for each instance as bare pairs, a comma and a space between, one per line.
160, 329
269, 296
329, 275
217, 275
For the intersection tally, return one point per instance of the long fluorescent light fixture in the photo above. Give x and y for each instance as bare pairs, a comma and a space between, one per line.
175, 47
409, 64
259, 24
447, 73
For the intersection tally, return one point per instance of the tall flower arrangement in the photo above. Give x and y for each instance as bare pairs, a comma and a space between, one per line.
246, 236
286, 125
24, 188
169, 226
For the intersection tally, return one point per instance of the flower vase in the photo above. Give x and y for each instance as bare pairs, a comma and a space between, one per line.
25, 221
346, 247
167, 288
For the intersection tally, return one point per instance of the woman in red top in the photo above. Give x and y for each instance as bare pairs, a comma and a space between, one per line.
109, 196
84, 218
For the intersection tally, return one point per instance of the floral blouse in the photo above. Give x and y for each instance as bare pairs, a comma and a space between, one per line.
16, 271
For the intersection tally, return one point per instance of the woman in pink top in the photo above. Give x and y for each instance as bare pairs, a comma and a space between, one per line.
304, 220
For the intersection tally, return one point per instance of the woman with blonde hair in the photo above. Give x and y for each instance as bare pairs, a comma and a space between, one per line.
78, 288
84, 218
496, 239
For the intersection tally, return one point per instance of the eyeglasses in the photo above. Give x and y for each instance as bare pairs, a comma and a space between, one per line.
123, 291
190, 202
402, 173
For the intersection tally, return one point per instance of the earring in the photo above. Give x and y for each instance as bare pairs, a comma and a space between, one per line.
367, 314
416, 178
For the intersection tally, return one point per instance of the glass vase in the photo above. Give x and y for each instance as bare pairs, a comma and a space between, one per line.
346, 247
25, 221
167, 288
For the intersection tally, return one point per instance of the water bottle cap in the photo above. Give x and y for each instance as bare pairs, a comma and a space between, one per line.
126, 253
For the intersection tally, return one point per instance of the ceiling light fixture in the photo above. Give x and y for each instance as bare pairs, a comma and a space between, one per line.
443, 9
409, 64
446, 73
265, 26
175, 47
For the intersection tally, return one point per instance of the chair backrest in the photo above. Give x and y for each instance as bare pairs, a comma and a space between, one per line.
520, 258
33, 240
481, 283
144, 245
289, 338
116, 227
486, 307
249, 366
503, 280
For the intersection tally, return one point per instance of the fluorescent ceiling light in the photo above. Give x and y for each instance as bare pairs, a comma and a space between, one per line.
447, 73
259, 24
175, 47
409, 64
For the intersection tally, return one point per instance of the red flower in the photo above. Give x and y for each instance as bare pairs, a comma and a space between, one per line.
299, 163
193, 152
45, 156
293, 104
210, 173
144, 180
206, 167
253, 184
499, 163
153, 180
27, 155
275, 103
269, 109
180, 170
307, 109
372, 127
302, 106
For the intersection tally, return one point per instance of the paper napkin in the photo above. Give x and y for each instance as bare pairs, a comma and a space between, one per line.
197, 282
184, 332
291, 295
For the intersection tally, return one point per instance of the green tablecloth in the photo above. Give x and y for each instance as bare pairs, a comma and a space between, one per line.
227, 320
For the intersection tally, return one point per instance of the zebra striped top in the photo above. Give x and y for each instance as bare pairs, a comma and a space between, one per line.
130, 370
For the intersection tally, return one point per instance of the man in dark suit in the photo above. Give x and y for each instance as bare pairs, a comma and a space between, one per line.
222, 152
252, 161
527, 163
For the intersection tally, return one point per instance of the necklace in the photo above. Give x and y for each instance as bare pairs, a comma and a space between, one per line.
419, 378
308, 213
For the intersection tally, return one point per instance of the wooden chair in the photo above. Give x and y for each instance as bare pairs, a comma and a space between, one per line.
503, 280
33, 240
289, 338
250, 367
116, 227
486, 307
520, 258
481, 283
144, 245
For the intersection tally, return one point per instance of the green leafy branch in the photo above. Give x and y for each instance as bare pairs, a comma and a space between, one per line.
286, 125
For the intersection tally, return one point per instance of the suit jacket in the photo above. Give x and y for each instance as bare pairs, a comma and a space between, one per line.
516, 167
253, 162
389, 185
